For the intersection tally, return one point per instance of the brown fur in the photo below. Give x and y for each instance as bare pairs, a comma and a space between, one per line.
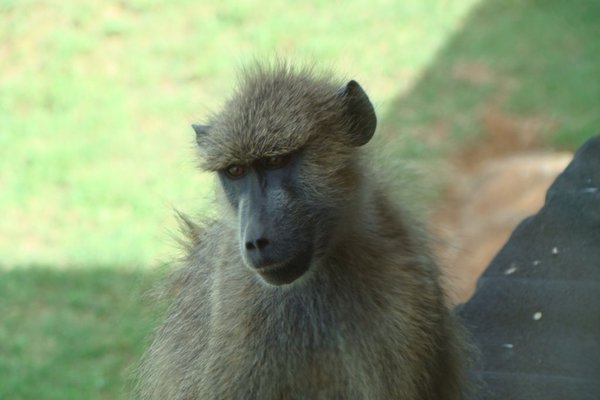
368, 321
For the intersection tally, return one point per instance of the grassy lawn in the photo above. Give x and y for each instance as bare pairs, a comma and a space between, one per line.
528, 65
96, 99
72, 335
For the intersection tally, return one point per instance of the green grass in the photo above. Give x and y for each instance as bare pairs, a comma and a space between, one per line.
72, 334
529, 62
96, 99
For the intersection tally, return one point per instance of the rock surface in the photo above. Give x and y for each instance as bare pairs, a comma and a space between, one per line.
535, 315
484, 207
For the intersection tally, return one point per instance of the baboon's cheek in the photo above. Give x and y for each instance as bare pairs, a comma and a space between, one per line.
245, 259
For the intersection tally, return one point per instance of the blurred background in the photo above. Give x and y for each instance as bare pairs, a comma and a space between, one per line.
480, 104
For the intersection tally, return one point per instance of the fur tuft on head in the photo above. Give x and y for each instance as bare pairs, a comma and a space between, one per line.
277, 109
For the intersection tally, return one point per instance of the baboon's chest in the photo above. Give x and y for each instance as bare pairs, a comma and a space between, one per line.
289, 373
293, 358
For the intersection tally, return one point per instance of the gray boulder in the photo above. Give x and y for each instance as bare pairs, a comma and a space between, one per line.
535, 316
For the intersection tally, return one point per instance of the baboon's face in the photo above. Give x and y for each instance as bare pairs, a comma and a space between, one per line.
277, 222
283, 151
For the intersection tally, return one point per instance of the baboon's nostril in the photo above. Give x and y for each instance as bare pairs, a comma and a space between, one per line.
261, 243
257, 244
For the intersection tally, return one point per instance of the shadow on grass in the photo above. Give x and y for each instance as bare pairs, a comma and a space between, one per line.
72, 333
523, 69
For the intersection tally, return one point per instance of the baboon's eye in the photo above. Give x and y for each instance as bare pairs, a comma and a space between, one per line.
275, 161
235, 171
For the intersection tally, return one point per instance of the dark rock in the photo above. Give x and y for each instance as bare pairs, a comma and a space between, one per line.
535, 315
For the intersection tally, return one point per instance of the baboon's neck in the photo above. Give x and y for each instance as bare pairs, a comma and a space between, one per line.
369, 216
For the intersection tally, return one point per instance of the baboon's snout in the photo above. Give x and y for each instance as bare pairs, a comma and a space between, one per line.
260, 244
258, 250
269, 253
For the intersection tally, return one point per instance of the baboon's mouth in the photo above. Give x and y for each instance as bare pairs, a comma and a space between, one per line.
271, 267
285, 272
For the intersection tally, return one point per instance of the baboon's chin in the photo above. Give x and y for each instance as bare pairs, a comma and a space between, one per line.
287, 272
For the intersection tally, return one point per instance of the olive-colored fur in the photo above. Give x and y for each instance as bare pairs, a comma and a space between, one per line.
367, 321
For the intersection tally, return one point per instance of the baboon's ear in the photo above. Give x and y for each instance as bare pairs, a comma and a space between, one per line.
201, 131
360, 112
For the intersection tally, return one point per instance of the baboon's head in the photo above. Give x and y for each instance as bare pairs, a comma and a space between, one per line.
284, 149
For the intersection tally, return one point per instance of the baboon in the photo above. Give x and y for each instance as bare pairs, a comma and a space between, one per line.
310, 283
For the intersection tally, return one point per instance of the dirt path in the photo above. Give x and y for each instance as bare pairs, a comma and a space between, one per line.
497, 183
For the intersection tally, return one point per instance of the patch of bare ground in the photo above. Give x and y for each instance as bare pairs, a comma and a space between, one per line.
495, 183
